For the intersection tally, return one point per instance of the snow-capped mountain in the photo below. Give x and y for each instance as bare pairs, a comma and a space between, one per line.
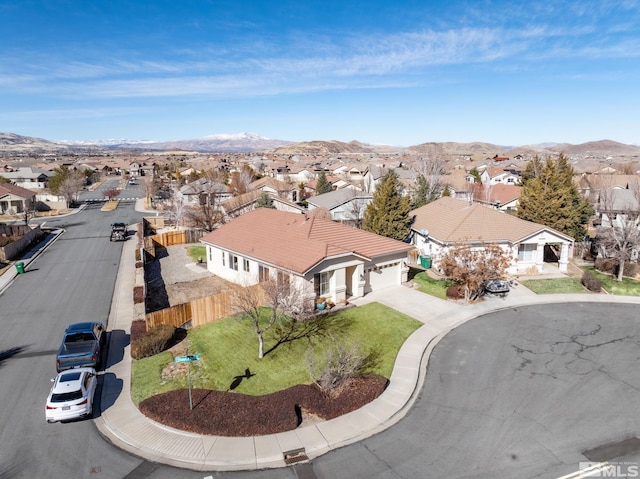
219, 142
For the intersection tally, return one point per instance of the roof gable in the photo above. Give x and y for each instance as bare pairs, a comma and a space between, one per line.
449, 220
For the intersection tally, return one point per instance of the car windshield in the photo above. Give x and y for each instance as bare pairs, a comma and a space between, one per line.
68, 396
77, 337
71, 376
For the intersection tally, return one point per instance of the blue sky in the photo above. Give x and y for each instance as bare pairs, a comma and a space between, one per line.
381, 72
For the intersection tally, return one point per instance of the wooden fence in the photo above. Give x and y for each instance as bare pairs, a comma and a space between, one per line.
197, 312
170, 238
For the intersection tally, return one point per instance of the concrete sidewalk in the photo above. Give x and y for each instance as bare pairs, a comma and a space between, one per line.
123, 424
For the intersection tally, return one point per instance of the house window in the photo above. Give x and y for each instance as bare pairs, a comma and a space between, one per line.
263, 274
224, 262
283, 279
245, 265
233, 261
323, 284
526, 252
210, 254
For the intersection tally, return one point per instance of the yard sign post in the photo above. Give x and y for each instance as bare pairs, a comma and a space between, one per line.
188, 359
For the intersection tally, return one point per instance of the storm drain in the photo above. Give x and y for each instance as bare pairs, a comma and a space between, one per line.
295, 455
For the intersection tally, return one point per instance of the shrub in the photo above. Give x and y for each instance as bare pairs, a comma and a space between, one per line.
455, 292
606, 265
339, 365
157, 339
138, 329
138, 294
590, 282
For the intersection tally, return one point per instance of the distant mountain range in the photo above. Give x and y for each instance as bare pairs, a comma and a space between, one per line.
13, 144
219, 143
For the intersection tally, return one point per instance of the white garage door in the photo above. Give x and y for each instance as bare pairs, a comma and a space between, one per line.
383, 277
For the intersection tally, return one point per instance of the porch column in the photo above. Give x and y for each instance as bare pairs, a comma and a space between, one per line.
540, 256
563, 262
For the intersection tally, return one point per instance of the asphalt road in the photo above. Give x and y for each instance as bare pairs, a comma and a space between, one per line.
516, 394
72, 281
520, 393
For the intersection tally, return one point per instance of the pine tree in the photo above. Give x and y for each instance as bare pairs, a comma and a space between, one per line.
388, 212
323, 186
550, 197
265, 201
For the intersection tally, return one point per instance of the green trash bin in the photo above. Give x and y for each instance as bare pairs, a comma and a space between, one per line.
425, 262
20, 267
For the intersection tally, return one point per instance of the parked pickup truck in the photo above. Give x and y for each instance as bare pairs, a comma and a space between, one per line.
82, 346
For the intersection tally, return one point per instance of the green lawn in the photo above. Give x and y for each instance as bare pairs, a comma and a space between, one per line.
431, 286
555, 286
229, 348
626, 287
197, 252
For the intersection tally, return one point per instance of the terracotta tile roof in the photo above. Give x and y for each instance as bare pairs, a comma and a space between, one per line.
449, 220
504, 193
11, 189
297, 242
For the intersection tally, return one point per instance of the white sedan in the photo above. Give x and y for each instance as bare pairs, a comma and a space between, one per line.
71, 396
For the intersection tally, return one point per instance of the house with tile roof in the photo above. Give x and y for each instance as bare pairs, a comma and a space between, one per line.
238, 205
494, 175
15, 199
346, 205
449, 222
319, 256
29, 177
501, 196
275, 187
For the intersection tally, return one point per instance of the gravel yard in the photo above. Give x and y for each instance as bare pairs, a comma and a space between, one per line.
174, 278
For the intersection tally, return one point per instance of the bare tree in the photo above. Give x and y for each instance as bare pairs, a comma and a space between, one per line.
355, 209
71, 186
208, 214
272, 301
240, 180
471, 265
429, 172
619, 232
112, 193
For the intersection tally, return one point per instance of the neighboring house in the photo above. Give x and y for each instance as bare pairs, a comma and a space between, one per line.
616, 206
203, 189
449, 222
15, 199
29, 177
276, 187
318, 257
346, 205
503, 197
494, 175
134, 169
241, 204
374, 175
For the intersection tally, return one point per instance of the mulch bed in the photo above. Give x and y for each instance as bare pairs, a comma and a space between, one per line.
232, 414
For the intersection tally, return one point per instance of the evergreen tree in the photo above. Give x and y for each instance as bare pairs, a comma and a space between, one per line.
425, 192
323, 186
265, 201
550, 197
388, 212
